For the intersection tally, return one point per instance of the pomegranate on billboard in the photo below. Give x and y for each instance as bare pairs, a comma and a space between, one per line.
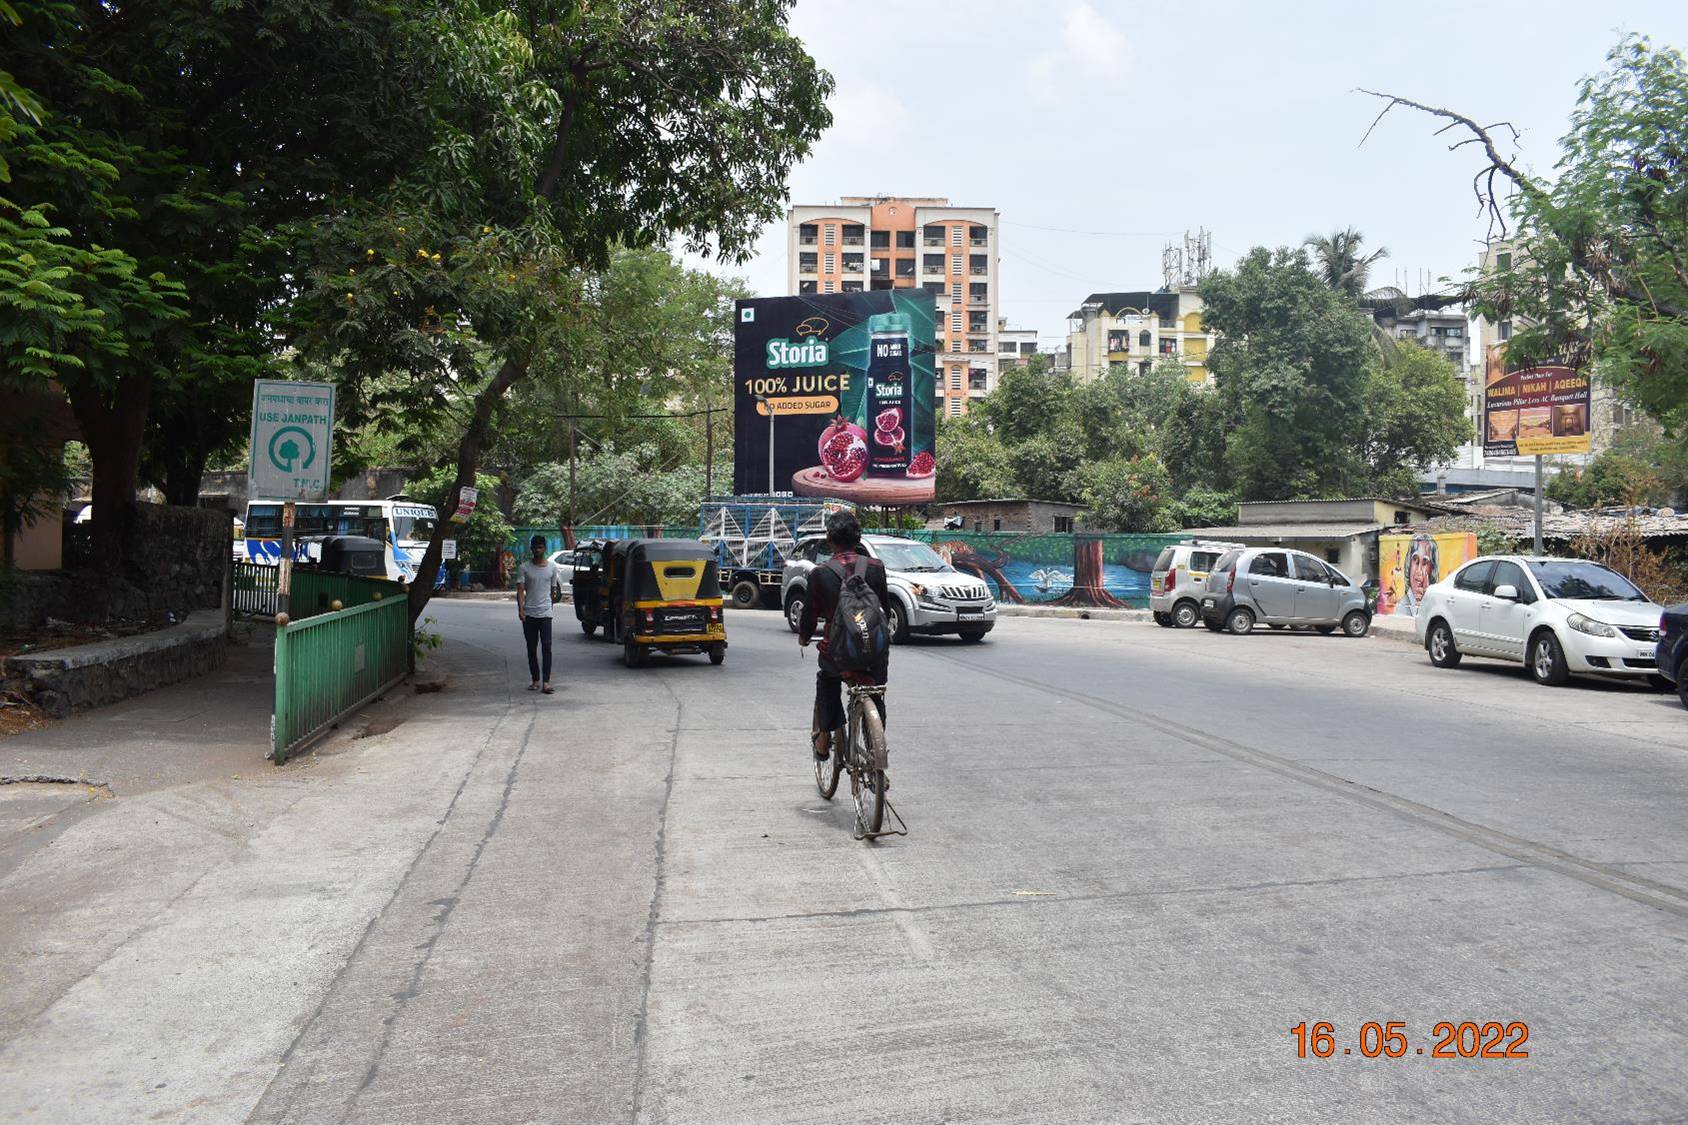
840, 390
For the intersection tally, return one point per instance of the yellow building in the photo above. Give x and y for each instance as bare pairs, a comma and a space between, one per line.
1138, 328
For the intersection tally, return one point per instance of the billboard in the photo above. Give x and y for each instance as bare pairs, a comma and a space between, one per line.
1408, 563
834, 395
1533, 410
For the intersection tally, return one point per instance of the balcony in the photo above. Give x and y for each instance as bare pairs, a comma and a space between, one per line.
981, 243
853, 240
979, 271
978, 298
808, 240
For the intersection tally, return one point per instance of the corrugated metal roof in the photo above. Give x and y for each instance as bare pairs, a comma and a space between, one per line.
1274, 531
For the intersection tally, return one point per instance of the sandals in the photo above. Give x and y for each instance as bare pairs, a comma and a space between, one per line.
547, 690
534, 686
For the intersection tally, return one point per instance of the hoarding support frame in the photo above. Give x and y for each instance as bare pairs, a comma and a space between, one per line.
1538, 504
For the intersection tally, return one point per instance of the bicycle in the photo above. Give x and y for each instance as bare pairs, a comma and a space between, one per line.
860, 748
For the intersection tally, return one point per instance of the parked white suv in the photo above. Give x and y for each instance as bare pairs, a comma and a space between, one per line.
927, 594
1557, 616
1179, 578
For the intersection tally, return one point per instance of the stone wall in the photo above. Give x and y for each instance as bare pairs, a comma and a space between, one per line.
66, 680
176, 562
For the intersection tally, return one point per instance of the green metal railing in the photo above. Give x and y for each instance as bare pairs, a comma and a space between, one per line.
314, 591
332, 663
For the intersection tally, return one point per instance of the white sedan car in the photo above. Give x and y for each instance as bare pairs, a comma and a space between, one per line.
1557, 616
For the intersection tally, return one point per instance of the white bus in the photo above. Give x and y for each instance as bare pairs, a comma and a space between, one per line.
399, 521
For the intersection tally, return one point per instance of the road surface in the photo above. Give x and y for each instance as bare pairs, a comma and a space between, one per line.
1137, 859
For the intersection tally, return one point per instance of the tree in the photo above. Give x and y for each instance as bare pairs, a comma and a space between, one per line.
1129, 494
164, 145
553, 135
1337, 258
1639, 467
1293, 358
1414, 416
972, 463
636, 485
484, 534
1598, 273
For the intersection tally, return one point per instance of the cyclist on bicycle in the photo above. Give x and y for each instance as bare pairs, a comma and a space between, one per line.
844, 535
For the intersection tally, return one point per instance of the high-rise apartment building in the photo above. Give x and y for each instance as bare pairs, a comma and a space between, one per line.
1138, 328
863, 243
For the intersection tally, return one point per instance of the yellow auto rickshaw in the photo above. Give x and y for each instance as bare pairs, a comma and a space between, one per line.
665, 595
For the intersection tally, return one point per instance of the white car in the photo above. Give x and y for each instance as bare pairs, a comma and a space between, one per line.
928, 595
1559, 617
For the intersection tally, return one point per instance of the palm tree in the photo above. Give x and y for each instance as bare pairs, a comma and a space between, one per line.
1336, 256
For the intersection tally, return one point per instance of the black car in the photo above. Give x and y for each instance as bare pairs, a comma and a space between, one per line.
1672, 651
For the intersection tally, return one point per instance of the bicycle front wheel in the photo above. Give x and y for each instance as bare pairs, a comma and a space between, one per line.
828, 768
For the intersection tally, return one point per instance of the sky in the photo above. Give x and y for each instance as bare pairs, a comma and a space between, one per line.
1101, 130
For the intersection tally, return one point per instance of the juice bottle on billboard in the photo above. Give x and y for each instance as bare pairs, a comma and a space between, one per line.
888, 394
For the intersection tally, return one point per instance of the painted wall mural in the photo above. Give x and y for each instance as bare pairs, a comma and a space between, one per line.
1092, 571
1409, 562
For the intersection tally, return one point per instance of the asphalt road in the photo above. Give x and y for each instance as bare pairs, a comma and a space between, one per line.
1137, 858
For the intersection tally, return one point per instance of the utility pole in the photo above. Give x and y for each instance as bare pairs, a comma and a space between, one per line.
571, 476
708, 450
1538, 505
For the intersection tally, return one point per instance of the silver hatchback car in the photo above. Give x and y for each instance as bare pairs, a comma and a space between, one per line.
1282, 587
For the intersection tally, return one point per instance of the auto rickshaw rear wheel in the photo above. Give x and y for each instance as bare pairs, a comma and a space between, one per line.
717, 653
632, 653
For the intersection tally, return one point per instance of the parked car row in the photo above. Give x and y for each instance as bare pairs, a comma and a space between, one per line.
1559, 617
928, 595
1231, 588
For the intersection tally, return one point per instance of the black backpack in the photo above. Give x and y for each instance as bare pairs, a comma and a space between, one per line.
858, 638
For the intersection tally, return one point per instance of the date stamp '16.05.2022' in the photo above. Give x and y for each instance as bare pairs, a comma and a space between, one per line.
1390, 1039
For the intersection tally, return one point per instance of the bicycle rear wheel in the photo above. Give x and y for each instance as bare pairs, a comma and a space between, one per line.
867, 780
827, 769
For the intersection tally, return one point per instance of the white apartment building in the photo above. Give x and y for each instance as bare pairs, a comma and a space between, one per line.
863, 243
1138, 327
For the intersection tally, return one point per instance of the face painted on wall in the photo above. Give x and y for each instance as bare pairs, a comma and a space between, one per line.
1421, 568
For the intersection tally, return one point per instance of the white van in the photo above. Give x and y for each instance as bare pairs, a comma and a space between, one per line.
1179, 579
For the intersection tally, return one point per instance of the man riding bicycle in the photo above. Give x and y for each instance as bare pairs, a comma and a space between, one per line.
844, 535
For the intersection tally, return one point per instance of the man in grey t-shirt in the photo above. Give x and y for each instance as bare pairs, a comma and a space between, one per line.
533, 605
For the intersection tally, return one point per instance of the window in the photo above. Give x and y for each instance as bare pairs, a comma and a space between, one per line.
905, 267
1144, 339
936, 288
1143, 368
976, 380
852, 263
905, 240
1116, 341
932, 263
933, 236
1227, 562
1310, 569
955, 378
1511, 574
1169, 345
1064, 524
1503, 260
1007, 347
978, 235
807, 234
1332, 555
881, 240
852, 287
955, 236
832, 234
806, 263
955, 291
1269, 564
1505, 329
978, 263
996, 525
826, 286
1028, 347
1200, 561
880, 266
805, 287
831, 263
1573, 578
1474, 577
853, 234
955, 408
977, 291
955, 263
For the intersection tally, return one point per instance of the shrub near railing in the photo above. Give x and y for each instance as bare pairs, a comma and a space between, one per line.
333, 663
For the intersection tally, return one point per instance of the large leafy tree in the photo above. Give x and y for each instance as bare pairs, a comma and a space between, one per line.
1598, 273
1292, 359
1413, 416
555, 133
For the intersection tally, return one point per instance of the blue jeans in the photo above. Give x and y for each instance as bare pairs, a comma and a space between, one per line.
536, 631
